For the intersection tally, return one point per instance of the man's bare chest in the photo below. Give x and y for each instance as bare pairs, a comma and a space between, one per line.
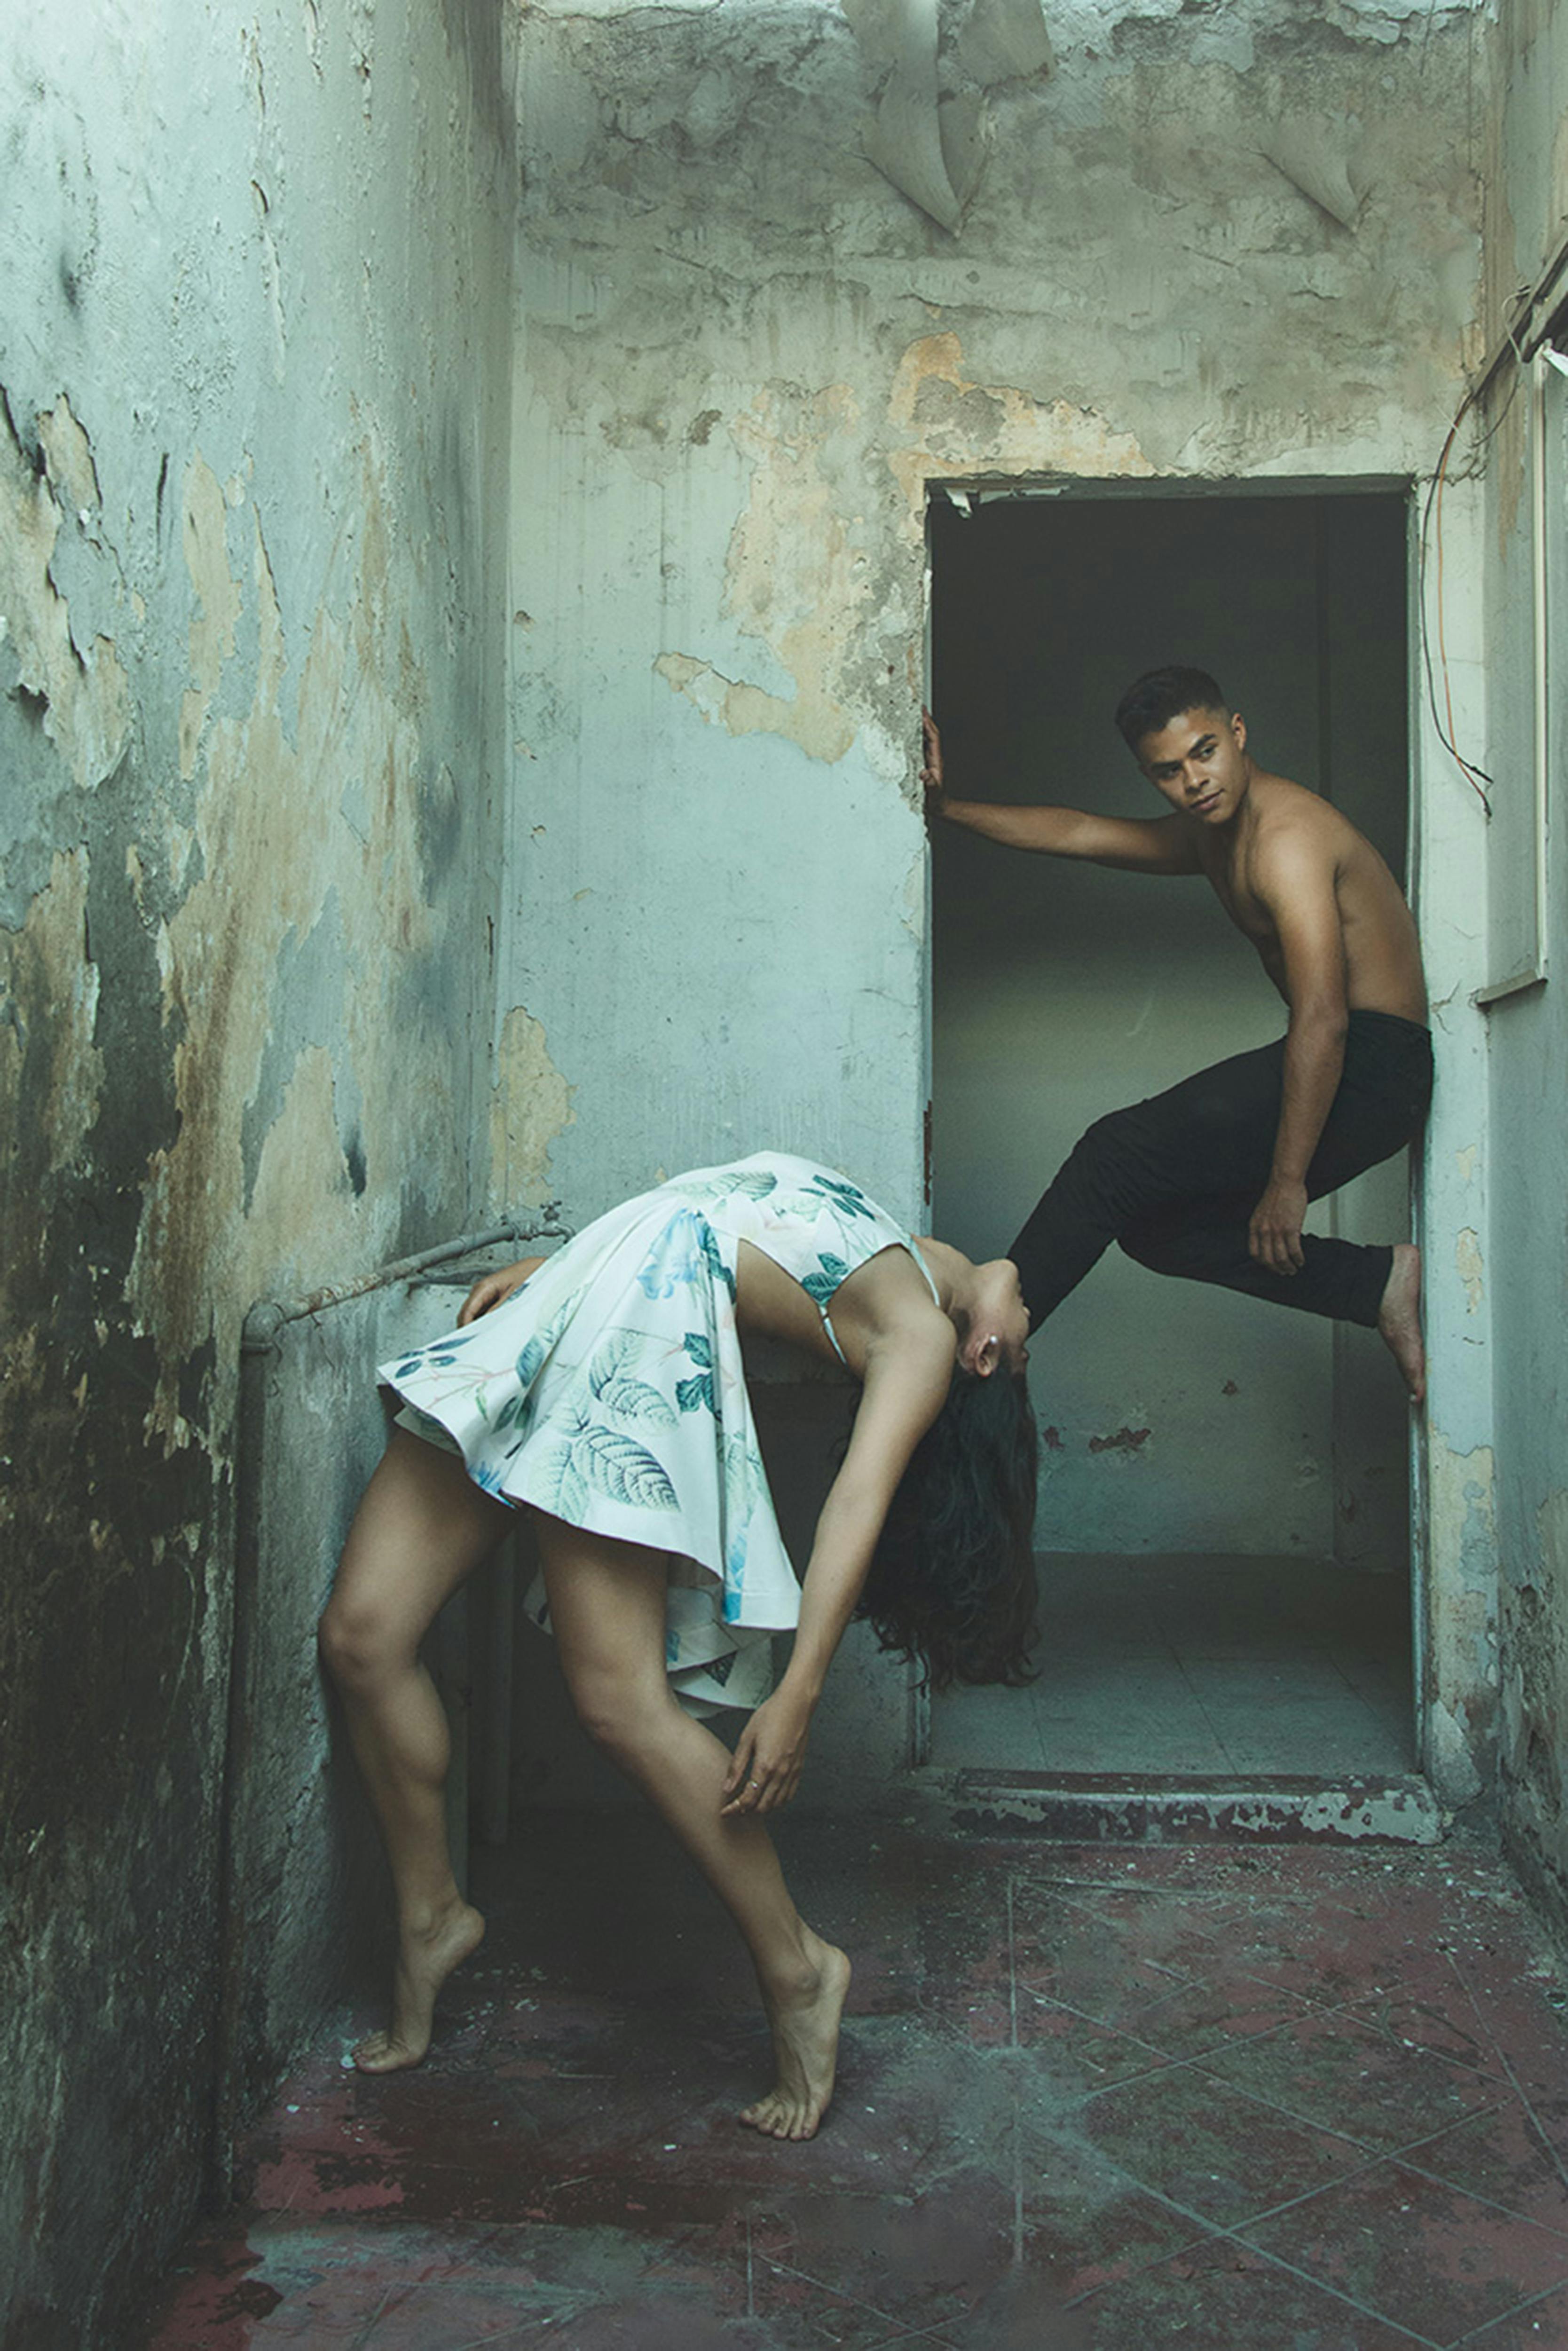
1251, 917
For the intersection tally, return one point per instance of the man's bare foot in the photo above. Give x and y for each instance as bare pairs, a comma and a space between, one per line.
805, 2049
1399, 1318
423, 1963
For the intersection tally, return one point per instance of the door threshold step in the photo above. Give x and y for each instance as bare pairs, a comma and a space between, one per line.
1196, 1808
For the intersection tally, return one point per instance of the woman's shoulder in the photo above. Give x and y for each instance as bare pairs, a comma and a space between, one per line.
892, 1296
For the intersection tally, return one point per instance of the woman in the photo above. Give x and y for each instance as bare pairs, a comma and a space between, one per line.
604, 1389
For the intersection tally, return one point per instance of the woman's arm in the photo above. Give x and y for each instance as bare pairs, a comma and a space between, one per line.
493, 1289
906, 1379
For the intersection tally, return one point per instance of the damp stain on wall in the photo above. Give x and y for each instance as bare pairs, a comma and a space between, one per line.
530, 1106
310, 808
1462, 1621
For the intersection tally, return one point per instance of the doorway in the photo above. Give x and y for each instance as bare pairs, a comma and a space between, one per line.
1224, 1502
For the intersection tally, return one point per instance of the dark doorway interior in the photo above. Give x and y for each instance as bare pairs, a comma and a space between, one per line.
1224, 1521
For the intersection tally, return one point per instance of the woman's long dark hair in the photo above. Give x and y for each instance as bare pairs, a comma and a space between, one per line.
952, 1580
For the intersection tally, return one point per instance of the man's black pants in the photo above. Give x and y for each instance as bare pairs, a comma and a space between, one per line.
1174, 1179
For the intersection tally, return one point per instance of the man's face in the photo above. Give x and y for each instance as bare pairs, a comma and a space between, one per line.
1198, 762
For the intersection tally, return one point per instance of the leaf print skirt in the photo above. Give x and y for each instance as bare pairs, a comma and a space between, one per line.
608, 1391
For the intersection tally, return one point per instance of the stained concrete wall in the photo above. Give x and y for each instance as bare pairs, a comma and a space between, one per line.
253, 456
1520, 1254
1203, 248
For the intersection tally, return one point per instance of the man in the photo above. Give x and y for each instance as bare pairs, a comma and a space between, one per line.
1212, 1179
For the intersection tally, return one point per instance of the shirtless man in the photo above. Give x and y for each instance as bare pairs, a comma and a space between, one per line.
1211, 1180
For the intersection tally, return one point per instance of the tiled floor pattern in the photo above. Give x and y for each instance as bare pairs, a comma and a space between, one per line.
1184, 1664
1277, 2099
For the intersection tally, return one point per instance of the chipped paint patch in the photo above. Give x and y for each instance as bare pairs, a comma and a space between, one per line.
1551, 1541
912, 908
55, 941
1462, 1618
81, 691
203, 527
530, 1105
934, 403
1470, 1268
796, 574
1171, 1809
796, 578
811, 722
68, 454
1463, 1488
1450, 1754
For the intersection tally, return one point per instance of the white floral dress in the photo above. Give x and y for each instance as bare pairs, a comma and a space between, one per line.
610, 1391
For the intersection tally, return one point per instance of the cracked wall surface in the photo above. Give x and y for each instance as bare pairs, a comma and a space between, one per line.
252, 452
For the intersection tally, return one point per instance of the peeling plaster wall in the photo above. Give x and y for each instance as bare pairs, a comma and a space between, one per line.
1522, 1252
1209, 245
252, 454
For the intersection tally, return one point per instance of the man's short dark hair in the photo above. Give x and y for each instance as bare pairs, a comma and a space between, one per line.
1152, 700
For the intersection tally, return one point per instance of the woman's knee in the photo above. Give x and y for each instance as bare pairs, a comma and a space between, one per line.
358, 1642
622, 1716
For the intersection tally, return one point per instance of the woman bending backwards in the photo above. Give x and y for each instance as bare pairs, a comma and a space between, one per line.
604, 1389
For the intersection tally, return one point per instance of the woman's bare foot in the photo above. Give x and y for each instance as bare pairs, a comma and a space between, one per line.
805, 2049
1399, 1318
424, 1960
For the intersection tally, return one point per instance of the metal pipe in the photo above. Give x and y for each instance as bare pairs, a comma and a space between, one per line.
267, 1318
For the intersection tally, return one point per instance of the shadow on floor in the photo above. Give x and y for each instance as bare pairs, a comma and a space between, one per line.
1195, 1664
1249, 2100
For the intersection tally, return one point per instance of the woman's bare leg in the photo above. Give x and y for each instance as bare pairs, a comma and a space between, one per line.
423, 1525
607, 1610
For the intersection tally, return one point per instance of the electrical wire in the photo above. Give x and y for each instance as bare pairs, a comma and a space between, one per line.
1473, 773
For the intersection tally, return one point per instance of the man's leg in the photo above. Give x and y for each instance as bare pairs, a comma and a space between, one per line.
1379, 1107
1381, 1102
1175, 1178
1212, 1132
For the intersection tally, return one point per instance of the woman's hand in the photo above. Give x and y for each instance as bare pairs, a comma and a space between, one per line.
494, 1289
766, 1768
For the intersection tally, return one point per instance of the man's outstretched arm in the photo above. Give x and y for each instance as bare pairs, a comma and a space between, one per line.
1139, 845
1296, 884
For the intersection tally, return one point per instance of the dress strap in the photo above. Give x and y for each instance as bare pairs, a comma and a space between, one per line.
832, 1336
909, 1243
913, 1248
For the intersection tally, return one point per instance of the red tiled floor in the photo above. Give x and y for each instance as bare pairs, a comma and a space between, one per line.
1213, 2151
1067, 2077
1227, 2297
1538, 2327
1337, 2072
1503, 2156
1421, 2253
